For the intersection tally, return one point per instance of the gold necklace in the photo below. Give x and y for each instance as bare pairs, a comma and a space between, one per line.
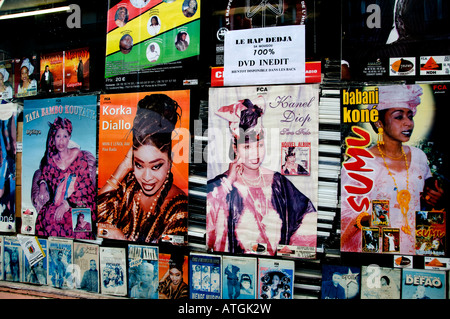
136, 205
391, 157
252, 182
403, 196
255, 203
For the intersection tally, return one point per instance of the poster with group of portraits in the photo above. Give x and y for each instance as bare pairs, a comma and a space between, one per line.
143, 166
149, 43
263, 170
394, 176
59, 167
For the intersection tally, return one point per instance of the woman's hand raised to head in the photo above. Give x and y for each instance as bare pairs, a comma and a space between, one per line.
234, 169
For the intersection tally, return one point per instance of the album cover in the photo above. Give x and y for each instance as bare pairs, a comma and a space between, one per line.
113, 271
59, 167
340, 282
240, 277
143, 272
12, 259
143, 166
7, 79
431, 231
26, 76
51, 78
424, 284
205, 276
370, 239
276, 278
390, 238
36, 273
60, 263
173, 274
380, 215
263, 170
86, 261
76, 70
380, 282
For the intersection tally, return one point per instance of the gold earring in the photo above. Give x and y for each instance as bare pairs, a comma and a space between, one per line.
380, 140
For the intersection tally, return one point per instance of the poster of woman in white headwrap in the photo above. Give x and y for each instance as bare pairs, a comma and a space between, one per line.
393, 152
26, 75
6, 80
253, 207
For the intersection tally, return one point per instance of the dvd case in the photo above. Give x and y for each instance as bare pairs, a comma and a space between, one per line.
240, 277
173, 274
143, 262
86, 264
60, 263
205, 276
340, 282
380, 282
12, 259
424, 284
275, 278
113, 271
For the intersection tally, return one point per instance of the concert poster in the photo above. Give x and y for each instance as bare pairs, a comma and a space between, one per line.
263, 165
51, 186
394, 174
116, 132
152, 44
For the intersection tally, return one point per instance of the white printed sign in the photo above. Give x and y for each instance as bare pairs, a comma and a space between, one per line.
274, 55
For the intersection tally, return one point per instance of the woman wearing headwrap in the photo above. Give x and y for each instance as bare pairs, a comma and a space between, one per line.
290, 167
27, 85
5, 90
398, 171
171, 285
64, 181
140, 202
249, 205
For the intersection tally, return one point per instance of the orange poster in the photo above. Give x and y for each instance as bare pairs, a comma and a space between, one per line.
173, 276
76, 70
143, 166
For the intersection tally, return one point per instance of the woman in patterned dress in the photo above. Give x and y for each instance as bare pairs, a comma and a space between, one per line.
65, 181
140, 202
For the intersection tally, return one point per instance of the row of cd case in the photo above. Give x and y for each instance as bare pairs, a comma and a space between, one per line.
142, 272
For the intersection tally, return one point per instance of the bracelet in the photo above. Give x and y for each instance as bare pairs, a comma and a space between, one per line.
115, 180
112, 184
